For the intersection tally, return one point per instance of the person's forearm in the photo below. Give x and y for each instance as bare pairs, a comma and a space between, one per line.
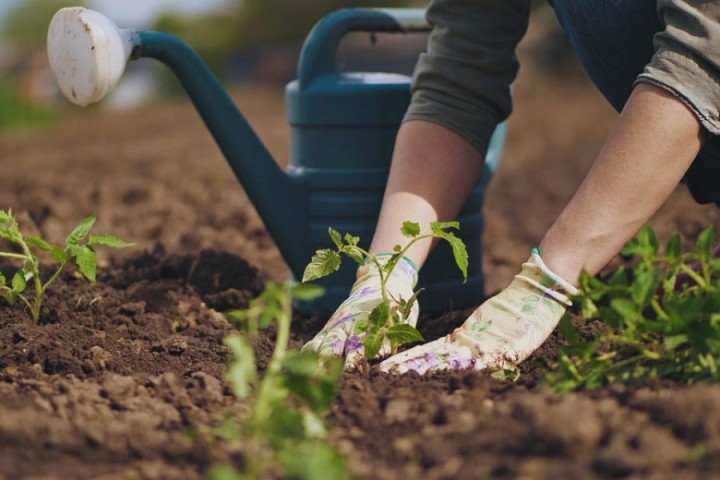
645, 156
432, 173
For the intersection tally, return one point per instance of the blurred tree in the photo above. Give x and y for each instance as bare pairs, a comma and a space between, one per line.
24, 86
26, 25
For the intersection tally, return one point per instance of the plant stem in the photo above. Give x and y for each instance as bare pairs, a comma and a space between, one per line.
39, 291
263, 403
18, 256
283, 333
692, 274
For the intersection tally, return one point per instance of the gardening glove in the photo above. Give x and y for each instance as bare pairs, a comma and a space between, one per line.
502, 332
340, 336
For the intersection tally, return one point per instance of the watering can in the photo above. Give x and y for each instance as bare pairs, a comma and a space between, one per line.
343, 128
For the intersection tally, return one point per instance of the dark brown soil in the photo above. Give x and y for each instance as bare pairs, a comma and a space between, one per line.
116, 376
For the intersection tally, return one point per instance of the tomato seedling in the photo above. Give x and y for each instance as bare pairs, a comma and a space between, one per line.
77, 247
388, 320
285, 422
656, 319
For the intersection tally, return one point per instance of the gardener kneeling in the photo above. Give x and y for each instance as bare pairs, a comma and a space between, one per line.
651, 59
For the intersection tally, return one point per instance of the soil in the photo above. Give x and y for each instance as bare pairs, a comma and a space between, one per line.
116, 376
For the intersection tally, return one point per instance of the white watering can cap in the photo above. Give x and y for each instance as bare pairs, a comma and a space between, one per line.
87, 53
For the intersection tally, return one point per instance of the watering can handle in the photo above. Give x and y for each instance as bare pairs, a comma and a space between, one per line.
318, 53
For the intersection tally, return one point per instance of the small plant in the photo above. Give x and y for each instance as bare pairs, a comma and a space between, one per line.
77, 247
388, 319
284, 431
659, 319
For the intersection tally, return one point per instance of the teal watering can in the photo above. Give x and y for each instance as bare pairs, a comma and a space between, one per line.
343, 128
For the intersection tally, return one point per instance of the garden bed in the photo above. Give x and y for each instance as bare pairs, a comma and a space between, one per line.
118, 377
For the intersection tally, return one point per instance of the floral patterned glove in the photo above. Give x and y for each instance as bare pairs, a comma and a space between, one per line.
340, 336
503, 332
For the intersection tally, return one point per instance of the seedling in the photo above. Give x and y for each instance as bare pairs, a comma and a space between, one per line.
657, 319
77, 247
285, 425
388, 320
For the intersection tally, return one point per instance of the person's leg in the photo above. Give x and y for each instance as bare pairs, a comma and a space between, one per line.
613, 40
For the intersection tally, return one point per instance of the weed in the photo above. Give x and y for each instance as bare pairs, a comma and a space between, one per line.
77, 248
659, 319
388, 319
285, 423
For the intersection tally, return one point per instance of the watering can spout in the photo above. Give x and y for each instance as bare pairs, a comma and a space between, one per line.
88, 54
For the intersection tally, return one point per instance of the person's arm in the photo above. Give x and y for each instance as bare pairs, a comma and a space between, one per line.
674, 109
648, 151
461, 91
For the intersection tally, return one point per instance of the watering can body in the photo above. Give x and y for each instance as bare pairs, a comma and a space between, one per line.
343, 129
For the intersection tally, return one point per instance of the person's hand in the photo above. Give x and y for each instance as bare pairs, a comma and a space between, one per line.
503, 332
340, 336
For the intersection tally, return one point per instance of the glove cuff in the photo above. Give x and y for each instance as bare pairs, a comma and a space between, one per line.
536, 272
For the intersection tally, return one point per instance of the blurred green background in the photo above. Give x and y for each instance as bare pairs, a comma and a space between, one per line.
241, 40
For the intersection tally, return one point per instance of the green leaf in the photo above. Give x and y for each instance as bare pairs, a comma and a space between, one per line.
3, 280
458, 248
284, 424
307, 291
310, 460
410, 229
224, 472
351, 240
59, 255
437, 227
6, 217
312, 380
87, 262
705, 243
627, 309
107, 240
379, 315
648, 238
11, 296
81, 231
569, 331
644, 287
241, 373
674, 247
373, 342
336, 237
322, 264
9, 228
645, 244
18, 282
404, 333
39, 243
355, 253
